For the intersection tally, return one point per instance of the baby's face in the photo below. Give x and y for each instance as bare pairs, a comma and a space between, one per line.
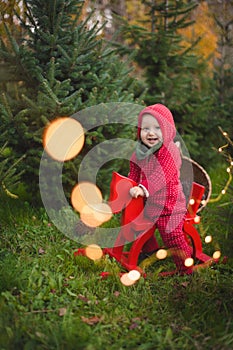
151, 133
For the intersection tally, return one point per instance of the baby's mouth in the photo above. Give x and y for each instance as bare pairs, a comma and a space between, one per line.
152, 140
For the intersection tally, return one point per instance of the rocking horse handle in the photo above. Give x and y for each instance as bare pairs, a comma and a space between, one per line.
119, 192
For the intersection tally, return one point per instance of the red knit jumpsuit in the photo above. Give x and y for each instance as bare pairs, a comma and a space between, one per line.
159, 173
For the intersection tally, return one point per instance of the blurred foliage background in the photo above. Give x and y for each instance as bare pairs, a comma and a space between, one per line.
60, 57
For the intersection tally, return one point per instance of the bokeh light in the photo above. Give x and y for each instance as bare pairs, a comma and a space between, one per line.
134, 275
189, 262
208, 239
87, 198
85, 193
126, 280
102, 212
63, 139
161, 254
94, 252
96, 214
191, 201
197, 219
217, 254
87, 215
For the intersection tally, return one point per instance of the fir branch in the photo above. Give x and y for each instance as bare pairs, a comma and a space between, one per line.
13, 42
9, 194
45, 120
64, 53
6, 106
95, 30
2, 167
72, 97
29, 16
11, 169
51, 71
8, 175
59, 16
77, 16
50, 92
3, 148
31, 103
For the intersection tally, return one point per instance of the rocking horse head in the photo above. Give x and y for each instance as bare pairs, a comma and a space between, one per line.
120, 199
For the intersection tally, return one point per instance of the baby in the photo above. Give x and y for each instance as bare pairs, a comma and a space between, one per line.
155, 167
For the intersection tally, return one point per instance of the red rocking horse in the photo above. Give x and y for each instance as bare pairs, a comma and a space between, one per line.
137, 230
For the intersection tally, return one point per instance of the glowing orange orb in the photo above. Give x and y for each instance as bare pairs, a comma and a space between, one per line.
161, 254
96, 214
94, 252
63, 139
197, 219
217, 254
85, 193
208, 239
102, 211
126, 281
189, 262
88, 217
191, 201
134, 275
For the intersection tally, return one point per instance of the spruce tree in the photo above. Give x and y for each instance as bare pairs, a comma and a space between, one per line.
173, 73
60, 65
222, 13
10, 176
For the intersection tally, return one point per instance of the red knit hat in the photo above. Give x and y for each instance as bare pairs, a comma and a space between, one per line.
164, 118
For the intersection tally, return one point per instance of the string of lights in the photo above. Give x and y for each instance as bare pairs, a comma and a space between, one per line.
224, 150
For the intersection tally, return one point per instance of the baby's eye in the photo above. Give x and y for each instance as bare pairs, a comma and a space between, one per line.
145, 129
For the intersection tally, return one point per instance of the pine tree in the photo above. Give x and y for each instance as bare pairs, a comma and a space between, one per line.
172, 72
222, 13
60, 65
9, 175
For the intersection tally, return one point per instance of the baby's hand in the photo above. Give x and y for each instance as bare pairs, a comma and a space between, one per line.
136, 191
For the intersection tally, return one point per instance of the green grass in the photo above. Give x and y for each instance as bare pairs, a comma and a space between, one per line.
50, 299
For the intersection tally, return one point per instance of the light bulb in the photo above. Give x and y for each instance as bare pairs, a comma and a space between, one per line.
208, 239
197, 219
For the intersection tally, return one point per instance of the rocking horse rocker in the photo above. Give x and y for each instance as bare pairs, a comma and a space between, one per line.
137, 229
